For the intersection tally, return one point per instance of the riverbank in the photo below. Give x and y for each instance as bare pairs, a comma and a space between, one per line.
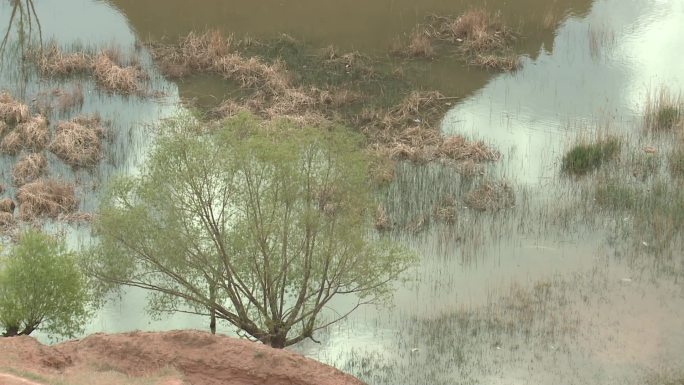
161, 358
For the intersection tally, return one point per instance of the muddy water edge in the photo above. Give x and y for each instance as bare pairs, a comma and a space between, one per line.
575, 280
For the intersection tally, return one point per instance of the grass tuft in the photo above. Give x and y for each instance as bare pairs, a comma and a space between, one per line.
664, 111
46, 198
29, 168
78, 142
491, 196
586, 157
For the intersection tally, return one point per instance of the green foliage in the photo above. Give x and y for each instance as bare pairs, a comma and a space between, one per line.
586, 157
41, 286
258, 223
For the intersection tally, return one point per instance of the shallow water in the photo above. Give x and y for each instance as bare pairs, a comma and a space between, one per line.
535, 294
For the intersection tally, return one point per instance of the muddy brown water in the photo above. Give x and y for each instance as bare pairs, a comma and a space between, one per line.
535, 294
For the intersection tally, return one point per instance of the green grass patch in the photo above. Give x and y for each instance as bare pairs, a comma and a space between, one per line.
586, 157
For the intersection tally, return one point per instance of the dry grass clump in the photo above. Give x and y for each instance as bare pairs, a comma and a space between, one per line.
409, 131
34, 133
6, 220
446, 210
4, 128
78, 142
7, 205
12, 111
46, 198
382, 222
29, 168
12, 143
116, 78
57, 63
458, 148
491, 196
509, 62
212, 52
419, 45
200, 52
477, 30
252, 72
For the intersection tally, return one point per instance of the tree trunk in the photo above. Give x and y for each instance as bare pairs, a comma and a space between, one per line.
212, 310
278, 341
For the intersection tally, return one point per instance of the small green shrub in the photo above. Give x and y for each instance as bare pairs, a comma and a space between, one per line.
585, 157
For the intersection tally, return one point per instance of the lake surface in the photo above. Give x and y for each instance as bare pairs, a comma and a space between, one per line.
549, 291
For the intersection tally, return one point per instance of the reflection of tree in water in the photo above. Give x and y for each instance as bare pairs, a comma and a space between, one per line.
23, 22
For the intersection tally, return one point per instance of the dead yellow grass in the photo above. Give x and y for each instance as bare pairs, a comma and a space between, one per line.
46, 198
4, 128
29, 168
508, 62
113, 77
382, 222
212, 52
12, 143
6, 220
78, 142
409, 131
476, 30
420, 44
446, 210
34, 133
54, 62
7, 205
12, 111
491, 196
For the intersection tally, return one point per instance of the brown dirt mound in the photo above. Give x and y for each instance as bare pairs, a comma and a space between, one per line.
29, 168
78, 142
194, 357
46, 198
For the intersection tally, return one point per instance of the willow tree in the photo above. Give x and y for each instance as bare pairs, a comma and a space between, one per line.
258, 224
41, 288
